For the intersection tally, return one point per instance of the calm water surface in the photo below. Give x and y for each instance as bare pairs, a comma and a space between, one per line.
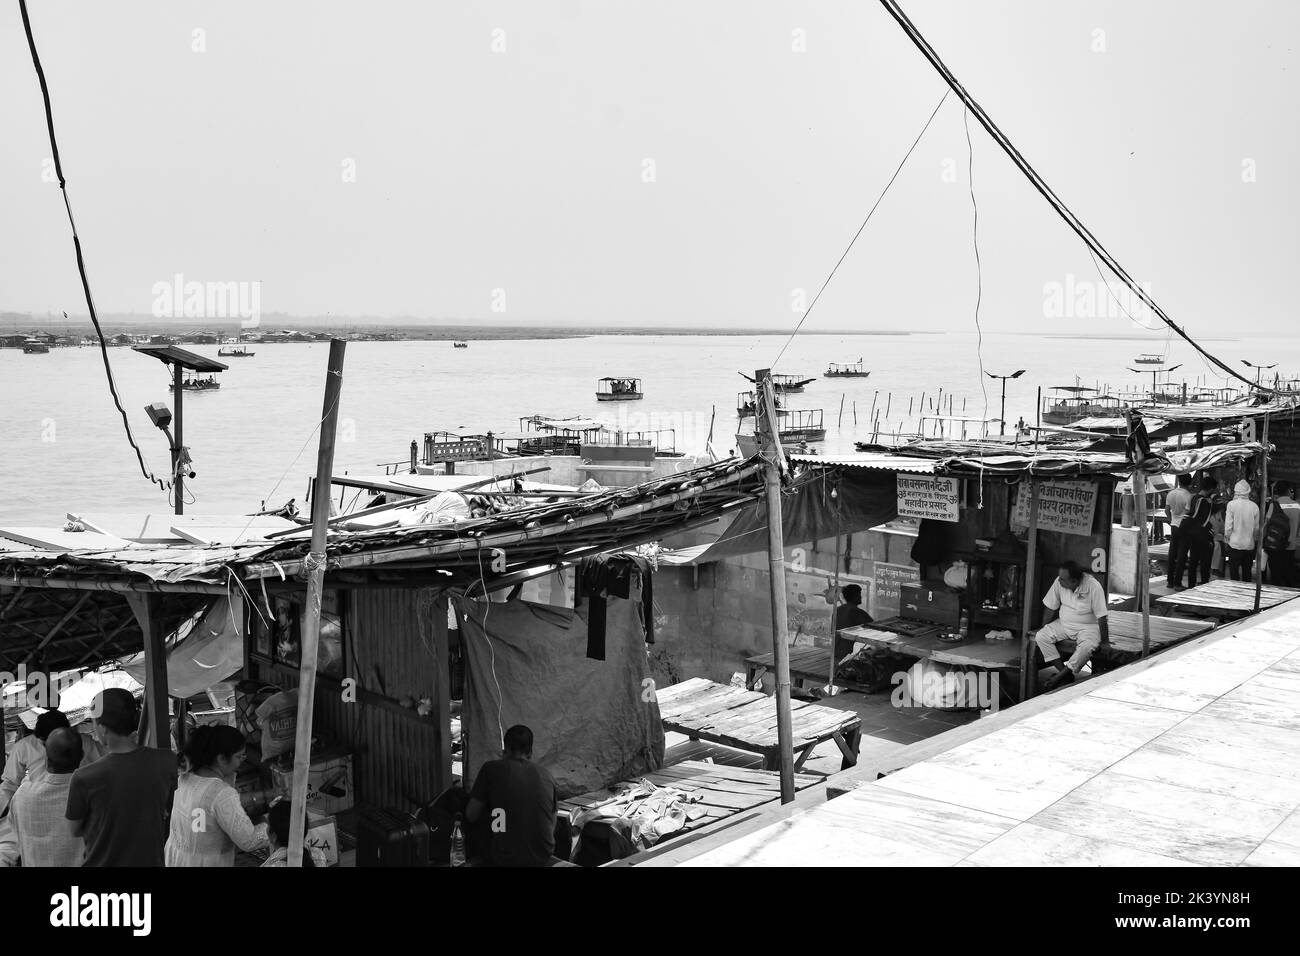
252, 441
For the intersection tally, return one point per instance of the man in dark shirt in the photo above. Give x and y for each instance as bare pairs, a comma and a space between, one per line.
120, 803
848, 614
516, 799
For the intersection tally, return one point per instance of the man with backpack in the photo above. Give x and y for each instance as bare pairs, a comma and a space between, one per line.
1196, 532
1280, 527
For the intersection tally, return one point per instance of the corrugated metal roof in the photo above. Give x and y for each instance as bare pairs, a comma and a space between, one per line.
876, 461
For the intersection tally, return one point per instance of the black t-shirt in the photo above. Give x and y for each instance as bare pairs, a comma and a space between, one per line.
848, 615
125, 800
519, 797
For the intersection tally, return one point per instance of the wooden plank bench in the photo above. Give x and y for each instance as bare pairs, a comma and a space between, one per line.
723, 792
705, 710
809, 666
1226, 599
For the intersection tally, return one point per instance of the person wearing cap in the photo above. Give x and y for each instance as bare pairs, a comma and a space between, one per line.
28, 756
44, 833
848, 614
120, 804
1241, 532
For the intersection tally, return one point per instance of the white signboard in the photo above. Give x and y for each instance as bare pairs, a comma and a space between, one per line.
1066, 506
928, 496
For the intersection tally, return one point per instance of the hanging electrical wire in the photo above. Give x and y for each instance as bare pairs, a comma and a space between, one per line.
870, 212
76, 242
1073, 221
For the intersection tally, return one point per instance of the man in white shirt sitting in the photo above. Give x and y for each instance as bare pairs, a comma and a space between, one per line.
1076, 610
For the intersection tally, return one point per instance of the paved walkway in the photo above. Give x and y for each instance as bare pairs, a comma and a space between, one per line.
1191, 758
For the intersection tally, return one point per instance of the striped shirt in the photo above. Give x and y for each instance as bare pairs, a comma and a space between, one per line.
40, 823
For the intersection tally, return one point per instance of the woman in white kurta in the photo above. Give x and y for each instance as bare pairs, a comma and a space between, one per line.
208, 823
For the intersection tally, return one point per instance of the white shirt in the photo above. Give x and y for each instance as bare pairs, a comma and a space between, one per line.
28, 758
1084, 606
1241, 524
1176, 503
208, 823
40, 822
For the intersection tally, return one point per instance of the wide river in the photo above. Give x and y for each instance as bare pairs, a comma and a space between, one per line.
252, 441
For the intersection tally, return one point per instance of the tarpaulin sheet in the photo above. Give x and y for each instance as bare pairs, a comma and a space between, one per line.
809, 513
527, 664
212, 651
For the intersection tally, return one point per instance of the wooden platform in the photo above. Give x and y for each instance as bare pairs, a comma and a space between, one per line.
723, 791
1226, 598
808, 665
746, 720
1191, 758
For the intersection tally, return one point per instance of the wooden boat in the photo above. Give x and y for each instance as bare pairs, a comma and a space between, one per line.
790, 383
195, 383
1149, 359
619, 390
35, 347
745, 404
1073, 402
795, 427
237, 351
851, 370
460, 345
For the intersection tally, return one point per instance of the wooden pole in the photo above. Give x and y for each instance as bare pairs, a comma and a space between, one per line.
178, 479
855, 413
1038, 417
154, 714
835, 598
1263, 498
840, 421
1028, 676
1139, 482
315, 567
776, 563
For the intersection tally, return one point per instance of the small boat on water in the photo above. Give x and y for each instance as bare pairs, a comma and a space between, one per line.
192, 382
619, 390
460, 345
795, 427
1071, 403
745, 404
851, 370
237, 351
1148, 358
35, 347
790, 383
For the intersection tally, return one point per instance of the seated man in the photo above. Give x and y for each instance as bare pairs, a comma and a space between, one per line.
1081, 603
848, 614
516, 800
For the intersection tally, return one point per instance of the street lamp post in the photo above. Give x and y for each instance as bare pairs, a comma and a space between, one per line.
1258, 369
1002, 419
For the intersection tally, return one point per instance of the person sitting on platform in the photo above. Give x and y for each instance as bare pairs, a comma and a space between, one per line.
848, 614
1080, 602
516, 799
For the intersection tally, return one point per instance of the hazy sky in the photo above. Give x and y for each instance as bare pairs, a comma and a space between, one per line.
660, 162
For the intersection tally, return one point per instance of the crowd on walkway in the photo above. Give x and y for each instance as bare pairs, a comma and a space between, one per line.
103, 799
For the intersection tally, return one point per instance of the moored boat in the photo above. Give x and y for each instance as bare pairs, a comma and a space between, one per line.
619, 390
850, 370
236, 351
790, 383
1148, 358
35, 347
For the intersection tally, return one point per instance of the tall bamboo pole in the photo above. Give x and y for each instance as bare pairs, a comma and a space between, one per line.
315, 565
1263, 498
835, 596
771, 441
1027, 673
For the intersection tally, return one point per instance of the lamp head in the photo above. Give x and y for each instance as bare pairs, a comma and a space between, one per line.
159, 414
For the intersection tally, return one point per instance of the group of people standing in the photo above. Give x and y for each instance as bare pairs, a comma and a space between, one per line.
1209, 533
109, 801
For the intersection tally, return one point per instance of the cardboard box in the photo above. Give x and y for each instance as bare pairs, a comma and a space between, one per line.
329, 781
323, 834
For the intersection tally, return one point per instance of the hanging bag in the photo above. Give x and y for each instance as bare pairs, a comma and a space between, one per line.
1277, 530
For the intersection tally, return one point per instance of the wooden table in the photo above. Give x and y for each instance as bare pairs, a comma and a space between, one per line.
1231, 599
923, 647
705, 710
808, 664
723, 791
